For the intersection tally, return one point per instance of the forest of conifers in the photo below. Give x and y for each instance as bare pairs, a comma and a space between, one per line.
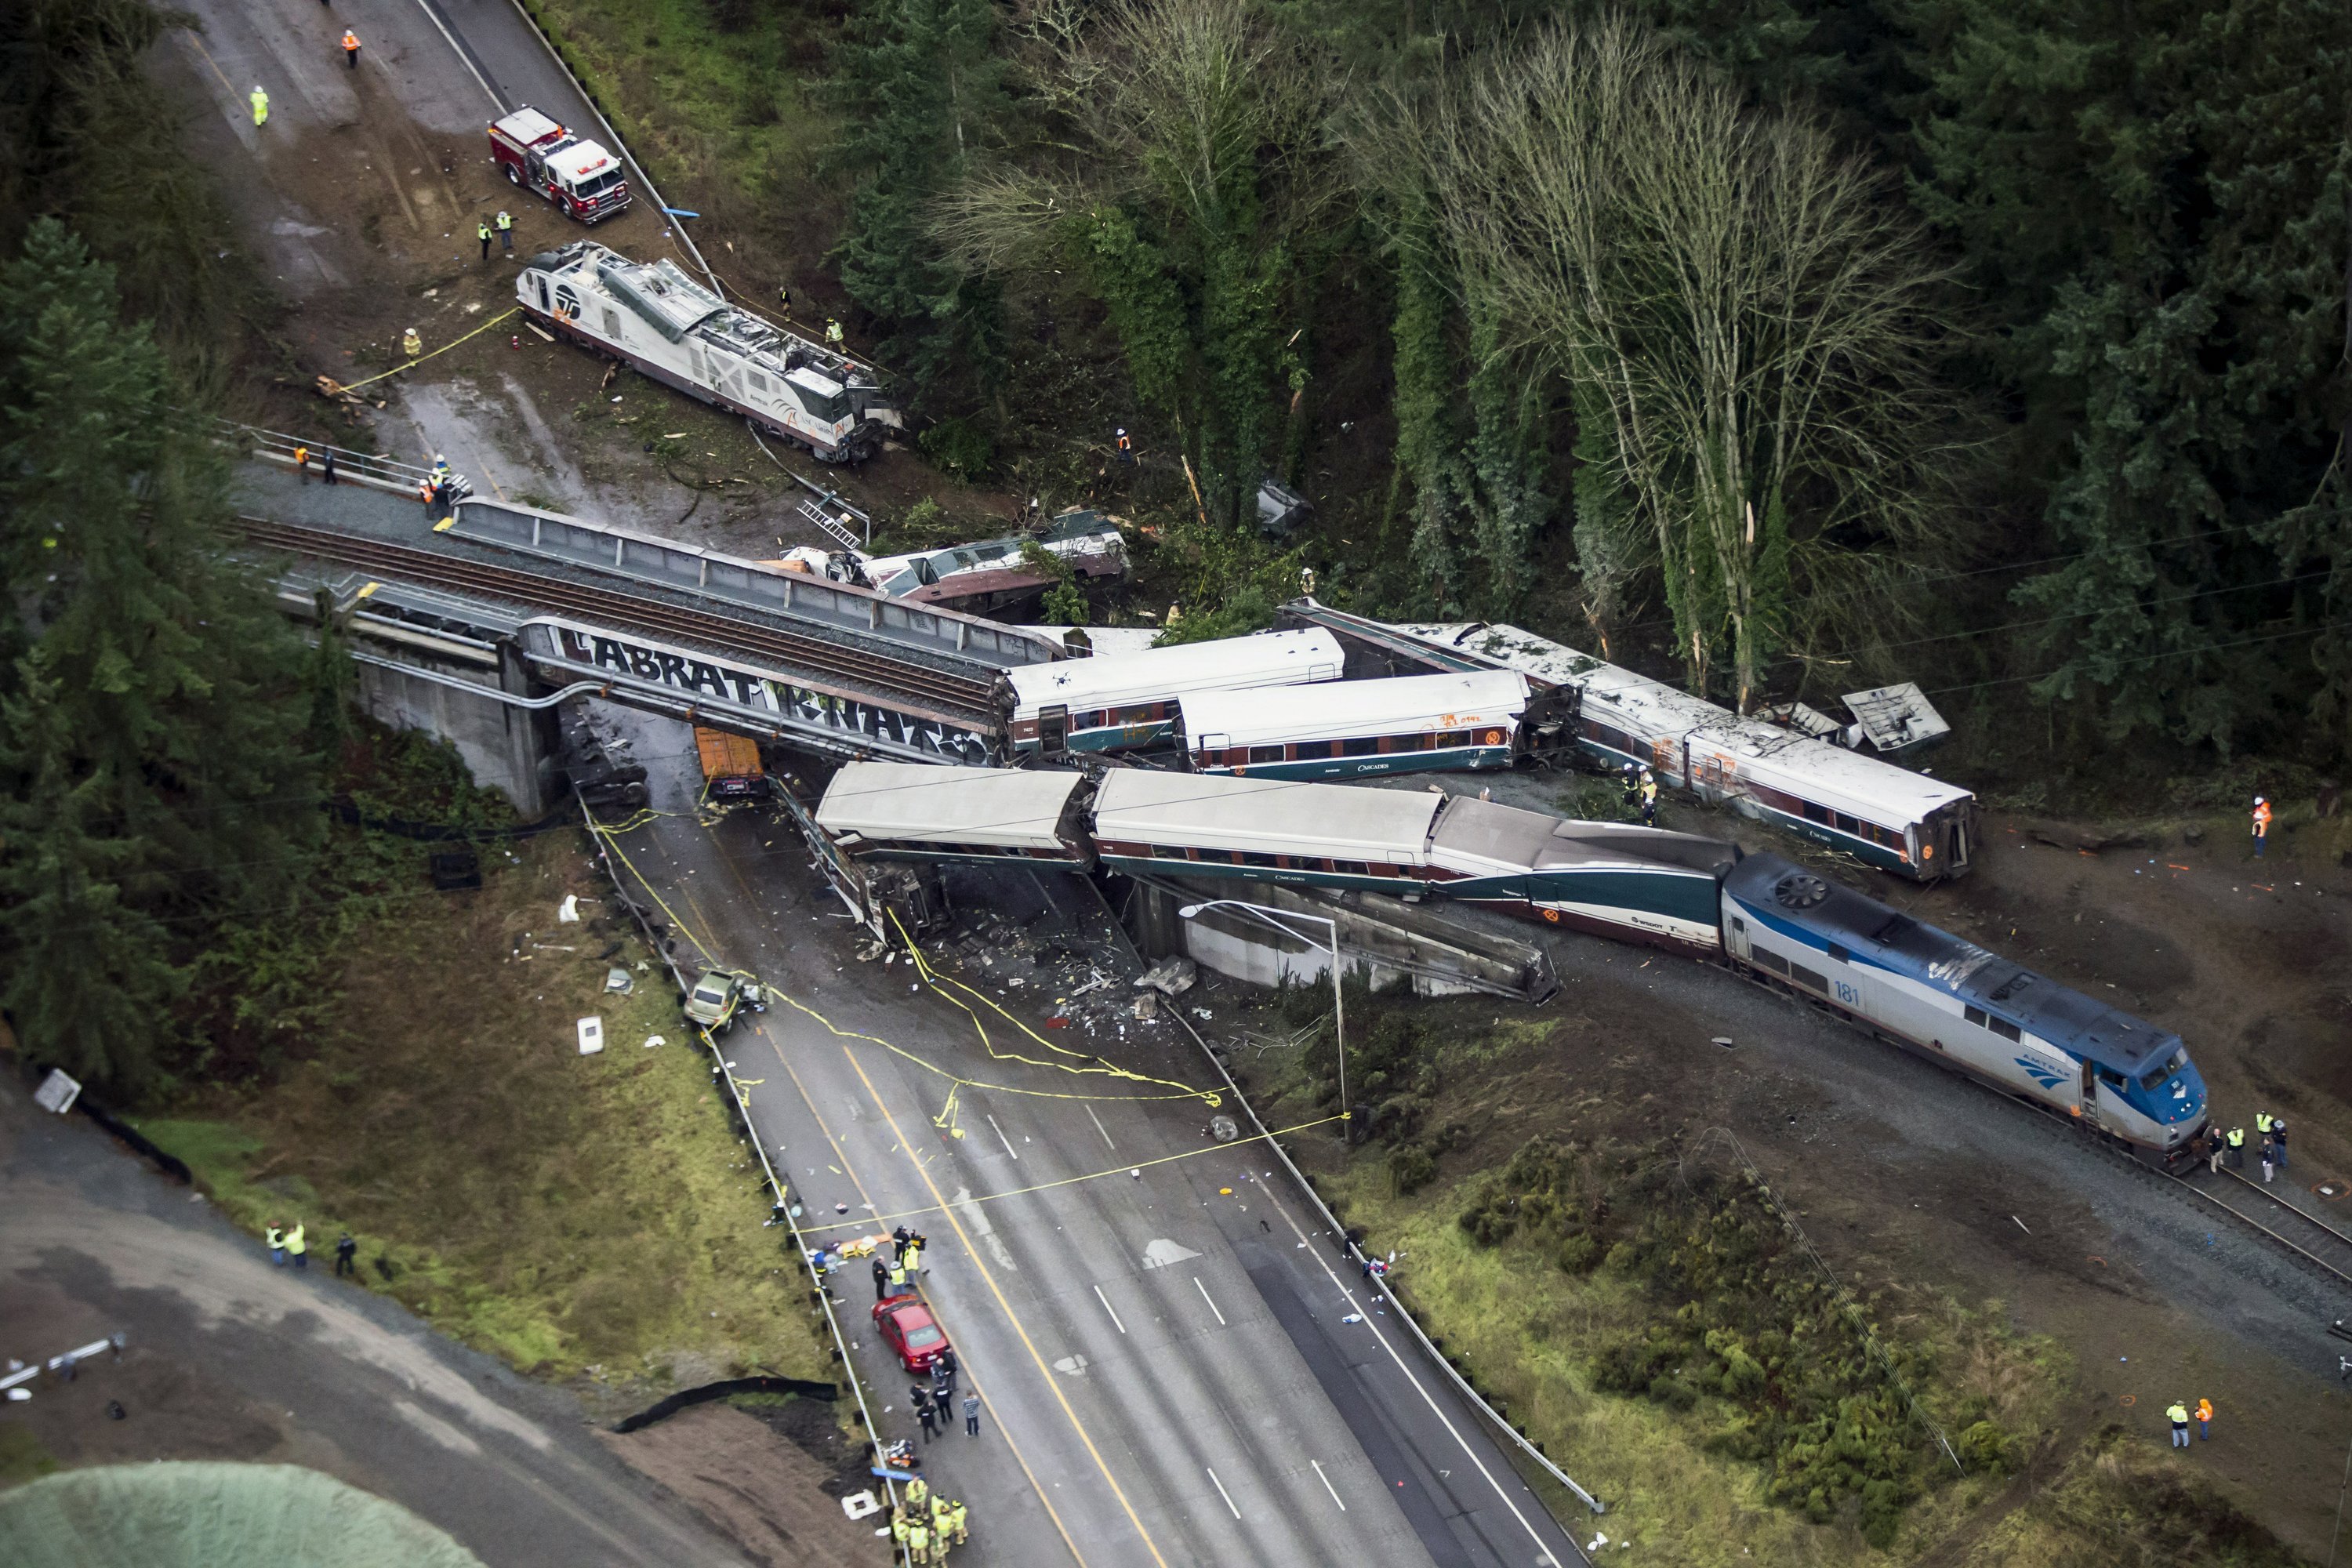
1782, 346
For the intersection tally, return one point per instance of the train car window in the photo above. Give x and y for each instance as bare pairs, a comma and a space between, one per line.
1352, 867
2111, 1079
2157, 1074
1306, 750
1803, 976
1846, 824
1415, 743
1771, 960
2004, 1028
1738, 924
1141, 713
1264, 753
1363, 746
1840, 954
1251, 857
1974, 1015
1094, 719
1450, 738
1214, 857
1814, 812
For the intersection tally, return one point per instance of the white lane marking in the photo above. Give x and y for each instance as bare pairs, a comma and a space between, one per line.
1108, 1308
1003, 1138
975, 1220
463, 58
1223, 1493
1204, 1296
1327, 1484
1099, 1126
1544, 1553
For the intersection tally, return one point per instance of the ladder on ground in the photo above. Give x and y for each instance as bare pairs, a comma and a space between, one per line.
834, 527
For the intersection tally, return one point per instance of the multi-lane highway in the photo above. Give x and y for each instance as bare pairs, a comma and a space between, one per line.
1156, 1323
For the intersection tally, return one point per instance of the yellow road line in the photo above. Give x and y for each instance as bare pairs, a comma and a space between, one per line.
1003, 1428
1010, 1316
189, 34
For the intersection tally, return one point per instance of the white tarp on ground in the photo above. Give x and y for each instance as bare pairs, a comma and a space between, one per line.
203, 1514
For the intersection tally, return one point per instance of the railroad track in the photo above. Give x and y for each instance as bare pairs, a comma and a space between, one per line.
877, 676
2313, 1239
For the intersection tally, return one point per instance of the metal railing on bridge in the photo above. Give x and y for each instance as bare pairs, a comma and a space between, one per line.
351, 467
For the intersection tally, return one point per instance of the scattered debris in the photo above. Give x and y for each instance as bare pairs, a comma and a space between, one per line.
619, 981
592, 1035
568, 912
1171, 977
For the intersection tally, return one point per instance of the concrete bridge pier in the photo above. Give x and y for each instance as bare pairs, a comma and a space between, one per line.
482, 700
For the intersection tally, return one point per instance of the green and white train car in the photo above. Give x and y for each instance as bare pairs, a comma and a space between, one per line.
1414, 724
1118, 702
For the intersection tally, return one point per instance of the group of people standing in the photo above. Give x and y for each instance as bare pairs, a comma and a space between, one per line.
898, 1272
2229, 1148
923, 1527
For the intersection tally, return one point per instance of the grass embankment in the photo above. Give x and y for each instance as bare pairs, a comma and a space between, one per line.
717, 97
1641, 1303
573, 1215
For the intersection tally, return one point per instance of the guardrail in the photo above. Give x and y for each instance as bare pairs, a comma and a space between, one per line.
740, 1100
369, 468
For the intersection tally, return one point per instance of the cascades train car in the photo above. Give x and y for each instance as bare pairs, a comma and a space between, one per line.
2023, 1034
1116, 702
1894, 818
1412, 723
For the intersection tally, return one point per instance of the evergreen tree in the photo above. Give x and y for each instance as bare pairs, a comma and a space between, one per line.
153, 707
2155, 199
923, 83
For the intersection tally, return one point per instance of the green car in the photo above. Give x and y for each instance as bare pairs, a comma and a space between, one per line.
718, 996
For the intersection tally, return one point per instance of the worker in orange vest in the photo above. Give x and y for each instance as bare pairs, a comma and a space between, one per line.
352, 48
2262, 825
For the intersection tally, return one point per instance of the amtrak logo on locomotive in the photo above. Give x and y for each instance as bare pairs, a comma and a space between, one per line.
691, 673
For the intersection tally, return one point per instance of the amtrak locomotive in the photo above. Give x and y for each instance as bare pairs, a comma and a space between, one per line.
2023, 1034
1952, 1001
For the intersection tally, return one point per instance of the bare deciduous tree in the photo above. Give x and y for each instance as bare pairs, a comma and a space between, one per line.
1754, 315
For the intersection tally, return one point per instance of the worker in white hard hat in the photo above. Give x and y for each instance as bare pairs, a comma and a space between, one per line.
440, 468
2262, 825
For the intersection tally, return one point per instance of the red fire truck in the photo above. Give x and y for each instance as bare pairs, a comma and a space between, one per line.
578, 175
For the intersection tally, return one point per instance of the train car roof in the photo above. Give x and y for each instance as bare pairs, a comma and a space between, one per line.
1270, 658
2057, 1013
1338, 709
1510, 837
1863, 785
1268, 815
1014, 809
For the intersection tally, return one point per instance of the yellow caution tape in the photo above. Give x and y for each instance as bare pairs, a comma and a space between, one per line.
1182, 1091
865, 1220
445, 348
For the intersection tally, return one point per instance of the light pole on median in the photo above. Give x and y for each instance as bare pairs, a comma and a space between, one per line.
1276, 917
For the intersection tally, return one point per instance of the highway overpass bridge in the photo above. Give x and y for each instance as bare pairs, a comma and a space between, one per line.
478, 626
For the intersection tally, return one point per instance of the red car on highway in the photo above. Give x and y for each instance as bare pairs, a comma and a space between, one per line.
911, 1331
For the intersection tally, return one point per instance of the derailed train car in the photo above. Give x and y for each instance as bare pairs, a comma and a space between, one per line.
1897, 978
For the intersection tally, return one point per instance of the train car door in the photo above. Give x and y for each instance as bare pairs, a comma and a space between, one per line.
1054, 729
2090, 1094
